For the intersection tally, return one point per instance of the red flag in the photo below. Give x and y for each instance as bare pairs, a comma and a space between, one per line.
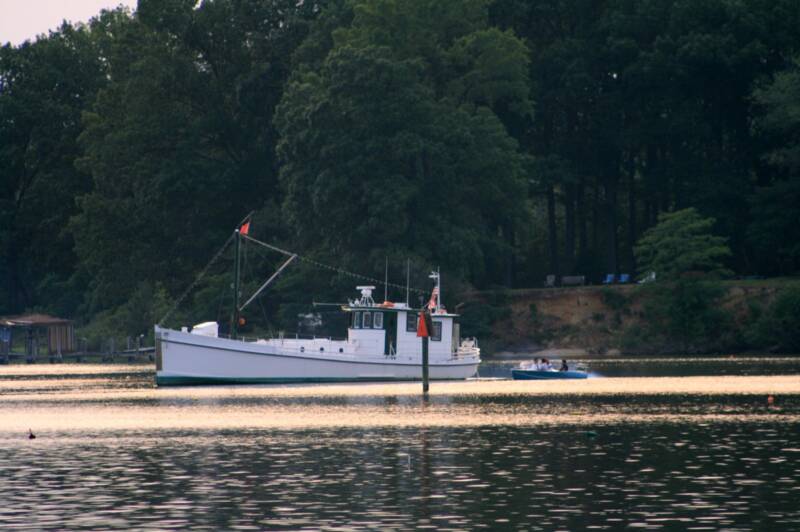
422, 326
245, 228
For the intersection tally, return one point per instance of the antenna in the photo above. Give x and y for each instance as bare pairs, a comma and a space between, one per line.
437, 290
386, 278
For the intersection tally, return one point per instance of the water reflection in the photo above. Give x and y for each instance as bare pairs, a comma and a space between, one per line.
656, 475
653, 453
662, 367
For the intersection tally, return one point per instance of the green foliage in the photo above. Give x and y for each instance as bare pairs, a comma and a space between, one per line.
636, 339
478, 319
533, 312
779, 120
778, 327
681, 243
180, 144
392, 140
44, 88
775, 233
687, 314
476, 135
136, 317
614, 299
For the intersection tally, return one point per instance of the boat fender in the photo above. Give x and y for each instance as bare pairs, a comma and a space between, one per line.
302, 349
321, 349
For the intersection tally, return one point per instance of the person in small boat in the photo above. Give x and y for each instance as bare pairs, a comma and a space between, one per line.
545, 366
564, 366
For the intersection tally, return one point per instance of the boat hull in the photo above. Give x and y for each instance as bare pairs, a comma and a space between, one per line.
185, 359
529, 375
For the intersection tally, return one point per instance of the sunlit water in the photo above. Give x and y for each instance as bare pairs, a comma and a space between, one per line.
705, 451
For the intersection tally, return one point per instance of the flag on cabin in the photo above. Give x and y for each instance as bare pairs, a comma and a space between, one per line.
424, 325
245, 228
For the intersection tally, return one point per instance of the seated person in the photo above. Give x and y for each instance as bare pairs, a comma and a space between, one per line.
546, 366
564, 366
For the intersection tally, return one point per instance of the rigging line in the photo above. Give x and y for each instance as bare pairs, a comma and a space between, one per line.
259, 300
197, 279
268, 281
279, 250
334, 268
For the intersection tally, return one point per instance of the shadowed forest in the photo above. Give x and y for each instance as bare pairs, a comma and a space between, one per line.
502, 141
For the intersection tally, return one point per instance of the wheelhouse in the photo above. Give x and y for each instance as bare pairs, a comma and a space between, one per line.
393, 326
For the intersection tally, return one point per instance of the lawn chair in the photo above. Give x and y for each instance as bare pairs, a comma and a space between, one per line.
550, 281
573, 280
624, 278
609, 279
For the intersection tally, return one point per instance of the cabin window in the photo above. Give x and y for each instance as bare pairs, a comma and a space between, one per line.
367, 320
356, 320
377, 322
411, 322
436, 335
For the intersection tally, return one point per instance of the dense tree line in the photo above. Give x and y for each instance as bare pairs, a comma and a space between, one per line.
501, 140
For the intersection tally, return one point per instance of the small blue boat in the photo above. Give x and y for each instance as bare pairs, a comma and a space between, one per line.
537, 375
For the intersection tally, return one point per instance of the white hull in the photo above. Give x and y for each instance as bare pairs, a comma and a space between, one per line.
185, 358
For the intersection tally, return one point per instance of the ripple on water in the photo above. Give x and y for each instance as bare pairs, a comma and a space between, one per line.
476, 455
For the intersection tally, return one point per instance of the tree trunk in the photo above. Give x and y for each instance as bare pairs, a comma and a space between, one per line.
610, 205
509, 234
569, 227
12, 278
580, 206
595, 215
552, 236
632, 234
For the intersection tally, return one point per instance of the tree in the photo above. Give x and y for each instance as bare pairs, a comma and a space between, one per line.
681, 244
180, 144
778, 328
393, 145
775, 231
687, 260
44, 87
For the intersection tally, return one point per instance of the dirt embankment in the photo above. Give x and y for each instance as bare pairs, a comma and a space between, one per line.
590, 319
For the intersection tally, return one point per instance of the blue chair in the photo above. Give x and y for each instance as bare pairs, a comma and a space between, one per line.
609, 279
624, 278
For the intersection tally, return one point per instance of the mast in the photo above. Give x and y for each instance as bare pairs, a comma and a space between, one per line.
408, 277
235, 318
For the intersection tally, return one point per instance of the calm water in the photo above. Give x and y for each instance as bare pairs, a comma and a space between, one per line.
705, 451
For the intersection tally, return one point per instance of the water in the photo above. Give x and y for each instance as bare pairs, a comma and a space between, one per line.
701, 452
660, 367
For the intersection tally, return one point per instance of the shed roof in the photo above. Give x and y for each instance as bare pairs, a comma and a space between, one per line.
32, 320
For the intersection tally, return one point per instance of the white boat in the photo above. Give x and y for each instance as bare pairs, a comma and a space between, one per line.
381, 345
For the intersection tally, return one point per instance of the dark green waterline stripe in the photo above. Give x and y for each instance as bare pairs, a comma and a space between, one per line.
183, 381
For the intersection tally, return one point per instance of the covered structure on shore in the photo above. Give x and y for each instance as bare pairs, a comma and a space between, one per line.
37, 331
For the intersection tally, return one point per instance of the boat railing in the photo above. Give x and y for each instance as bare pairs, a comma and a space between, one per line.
466, 352
293, 336
321, 345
